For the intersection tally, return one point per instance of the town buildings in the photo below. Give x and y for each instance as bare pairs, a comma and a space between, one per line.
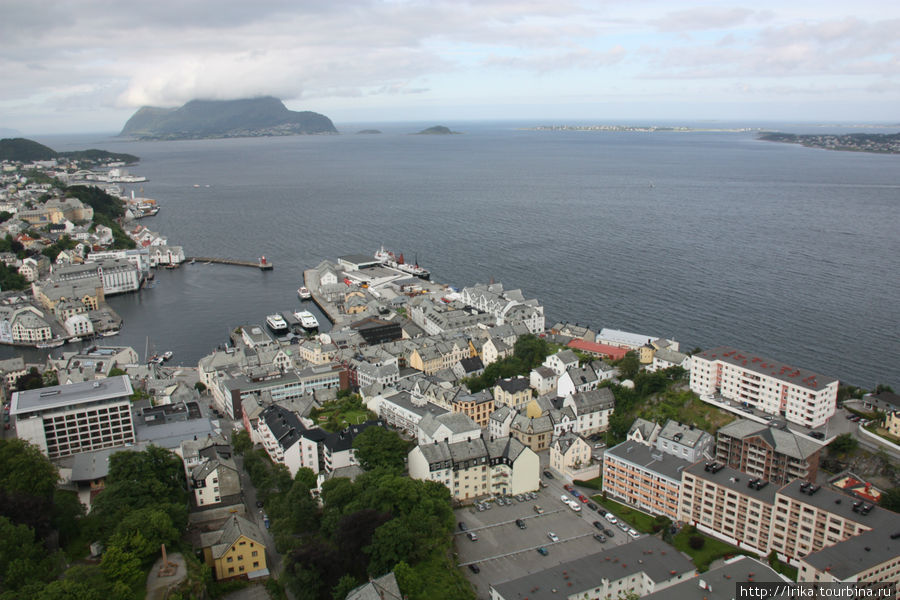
235, 550
644, 477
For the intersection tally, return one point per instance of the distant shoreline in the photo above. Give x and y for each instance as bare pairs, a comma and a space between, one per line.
636, 128
878, 143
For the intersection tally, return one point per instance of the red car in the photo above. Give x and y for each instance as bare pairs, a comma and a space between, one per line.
584, 499
567, 487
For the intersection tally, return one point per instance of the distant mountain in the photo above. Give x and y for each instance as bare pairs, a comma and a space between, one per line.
437, 130
200, 119
23, 150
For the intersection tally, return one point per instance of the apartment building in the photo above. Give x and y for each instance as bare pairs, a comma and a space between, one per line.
477, 467
720, 501
641, 567
514, 392
477, 407
799, 395
644, 477
67, 419
799, 521
776, 455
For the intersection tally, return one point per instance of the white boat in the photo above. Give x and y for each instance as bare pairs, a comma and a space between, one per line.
55, 343
307, 319
110, 332
276, 323
396, 261
72, 340
167, 355
304, 293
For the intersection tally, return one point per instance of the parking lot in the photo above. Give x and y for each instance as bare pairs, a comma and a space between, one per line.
504, 551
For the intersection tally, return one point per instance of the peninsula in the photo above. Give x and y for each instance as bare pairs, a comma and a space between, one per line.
25, 150
202, 119
853, 142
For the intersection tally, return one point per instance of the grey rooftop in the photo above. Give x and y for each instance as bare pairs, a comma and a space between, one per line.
58, 396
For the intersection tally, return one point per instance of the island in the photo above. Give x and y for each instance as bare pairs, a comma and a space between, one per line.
883, 143
369, 131
25, 150
437, 130
204, 119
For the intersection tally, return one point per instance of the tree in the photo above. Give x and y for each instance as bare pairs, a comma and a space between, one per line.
890, 499
531, 350
377, 447
241, 442
345, 585
200, 386
696, 541
121, 566
629, 365
843, 444
883, 388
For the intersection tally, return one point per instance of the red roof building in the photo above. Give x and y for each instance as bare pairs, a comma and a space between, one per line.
601, 350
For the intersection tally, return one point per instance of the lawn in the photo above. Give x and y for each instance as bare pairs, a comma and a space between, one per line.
641, 521
710, 551
684, 406
335, 420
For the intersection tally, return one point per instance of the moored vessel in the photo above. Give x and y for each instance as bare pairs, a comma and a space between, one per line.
276, 323
304, 293
307, 319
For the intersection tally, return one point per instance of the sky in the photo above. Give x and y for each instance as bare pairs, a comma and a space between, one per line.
74, 66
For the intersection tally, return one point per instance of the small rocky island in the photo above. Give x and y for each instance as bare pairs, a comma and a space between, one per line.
202, 119
437, 130
369, 131
851, 142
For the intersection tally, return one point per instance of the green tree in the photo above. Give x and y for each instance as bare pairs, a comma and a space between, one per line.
241, 442
890, 499
142, 533
345, 585
628, 366
121, 566
531, 350
377, 447
843, 444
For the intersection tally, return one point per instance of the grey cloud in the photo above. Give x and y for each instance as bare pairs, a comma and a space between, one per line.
697, 19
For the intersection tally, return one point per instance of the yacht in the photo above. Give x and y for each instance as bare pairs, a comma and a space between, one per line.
307, 319
276, 323
304, 293
167, 355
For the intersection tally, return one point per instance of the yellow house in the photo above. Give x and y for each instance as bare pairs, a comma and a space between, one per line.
235, 550
892, 423
646, 353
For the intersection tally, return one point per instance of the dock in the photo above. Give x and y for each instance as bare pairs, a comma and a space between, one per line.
262, 263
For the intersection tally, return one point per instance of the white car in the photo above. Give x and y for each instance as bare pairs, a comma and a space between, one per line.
553, 537
574, 505
565, 498
611, 518
633, 533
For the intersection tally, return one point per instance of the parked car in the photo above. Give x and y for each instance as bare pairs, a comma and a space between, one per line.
623, 526
521, 524
538, 509
548, 475
462, 526
574, 506
598, 525
553, 537
599, 538
609, 533
633, 533
611, 518
471, 535
600, 445
567, 487
564, 498
592, 506
542, 551
584, 499
474, 568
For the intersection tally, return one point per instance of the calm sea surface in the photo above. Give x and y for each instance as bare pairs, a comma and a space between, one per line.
708, 237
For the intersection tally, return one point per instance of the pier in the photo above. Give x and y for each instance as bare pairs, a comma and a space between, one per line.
262, 263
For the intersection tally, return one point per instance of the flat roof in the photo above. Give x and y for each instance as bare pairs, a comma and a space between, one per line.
839, 503
719, 583
736, 481
856, 554
768, 367
58, 396
650, 459
647, 554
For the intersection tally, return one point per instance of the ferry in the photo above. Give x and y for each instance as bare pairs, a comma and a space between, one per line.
304, 293
307, 319
276, 323
387, 257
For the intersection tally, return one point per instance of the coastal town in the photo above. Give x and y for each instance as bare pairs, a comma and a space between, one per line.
62, 257
435, 442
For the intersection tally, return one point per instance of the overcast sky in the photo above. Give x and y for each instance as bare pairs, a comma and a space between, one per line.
87, 65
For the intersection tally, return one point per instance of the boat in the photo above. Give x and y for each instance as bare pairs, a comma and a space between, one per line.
396, 261
55, 343
304, 293
307, 319
72, 340
167, 355
109, 333
276, 323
